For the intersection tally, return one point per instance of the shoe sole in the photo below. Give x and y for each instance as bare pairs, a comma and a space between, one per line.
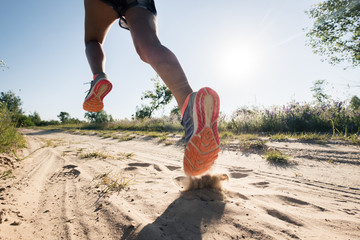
94, 103
204, 146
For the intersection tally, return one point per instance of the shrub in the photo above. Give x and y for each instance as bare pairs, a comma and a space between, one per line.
10, 139
335, 117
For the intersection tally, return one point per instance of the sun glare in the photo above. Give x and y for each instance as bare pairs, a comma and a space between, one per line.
239, 61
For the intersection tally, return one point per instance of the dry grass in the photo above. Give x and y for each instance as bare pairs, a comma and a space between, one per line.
94, 155
125, 155
126, 138
107, 184
6, 174
253, 145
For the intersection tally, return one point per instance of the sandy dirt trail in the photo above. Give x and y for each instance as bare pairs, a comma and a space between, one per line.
53, 195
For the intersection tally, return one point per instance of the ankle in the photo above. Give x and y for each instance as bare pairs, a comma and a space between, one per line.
184, 105
101, 74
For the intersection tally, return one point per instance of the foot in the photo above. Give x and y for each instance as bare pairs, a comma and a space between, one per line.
201, 132
100, 87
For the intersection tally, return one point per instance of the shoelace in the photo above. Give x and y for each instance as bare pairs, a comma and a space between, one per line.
90, 86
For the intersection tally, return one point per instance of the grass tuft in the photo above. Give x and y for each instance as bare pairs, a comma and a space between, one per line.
279, 137
108, 184
126, 155
253, 145
276, 157
126, 138
106, 135
6, 175
94, 155
355, 139
154, 134
226, 135
163, 138
53, 143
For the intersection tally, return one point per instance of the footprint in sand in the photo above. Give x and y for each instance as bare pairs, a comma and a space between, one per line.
350, 211
261, 184
133, 166
67, 171
130, 168
293, 200
235, 195
240, 173
172, 168
296, 202
139, 164
283, 217
157, 168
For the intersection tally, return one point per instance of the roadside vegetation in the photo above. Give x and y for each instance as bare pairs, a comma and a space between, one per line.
319, 121
10, 139
249, 129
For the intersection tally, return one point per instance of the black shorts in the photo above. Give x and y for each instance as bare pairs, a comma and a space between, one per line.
121, 6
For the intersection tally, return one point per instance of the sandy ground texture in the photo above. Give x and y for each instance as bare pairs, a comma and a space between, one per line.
56, 192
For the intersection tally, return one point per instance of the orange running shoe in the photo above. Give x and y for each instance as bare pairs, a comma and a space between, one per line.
100, 87
200, 113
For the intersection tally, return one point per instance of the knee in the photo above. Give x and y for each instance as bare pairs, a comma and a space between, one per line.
143, 53
148, 52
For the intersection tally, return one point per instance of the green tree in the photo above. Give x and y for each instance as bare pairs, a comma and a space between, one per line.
335, 34
35, 118
319, 91
176, 112
98, 117
64, 117
159, 97
23, 121
354, 103
11, 101
143, 112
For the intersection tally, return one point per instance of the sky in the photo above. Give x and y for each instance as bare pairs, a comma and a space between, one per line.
253, 53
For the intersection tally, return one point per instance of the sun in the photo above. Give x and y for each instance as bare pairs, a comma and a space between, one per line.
239, 61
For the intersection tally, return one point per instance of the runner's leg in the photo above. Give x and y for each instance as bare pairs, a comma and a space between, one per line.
143, 27
200, 112
98, 19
